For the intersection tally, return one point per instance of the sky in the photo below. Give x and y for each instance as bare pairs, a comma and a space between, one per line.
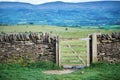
44, 1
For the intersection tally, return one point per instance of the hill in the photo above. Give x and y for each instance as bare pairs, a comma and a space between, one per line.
61, 13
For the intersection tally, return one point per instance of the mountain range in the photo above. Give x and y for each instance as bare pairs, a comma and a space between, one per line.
61, 13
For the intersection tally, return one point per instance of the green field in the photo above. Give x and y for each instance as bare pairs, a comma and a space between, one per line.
61, 31
98, 71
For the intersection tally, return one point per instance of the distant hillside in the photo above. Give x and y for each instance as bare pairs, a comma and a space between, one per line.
61, 13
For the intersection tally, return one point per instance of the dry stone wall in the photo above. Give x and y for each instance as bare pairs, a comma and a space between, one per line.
27, 47
108, 47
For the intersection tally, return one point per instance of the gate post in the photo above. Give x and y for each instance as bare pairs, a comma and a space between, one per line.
58, 60
88, 51
94, 48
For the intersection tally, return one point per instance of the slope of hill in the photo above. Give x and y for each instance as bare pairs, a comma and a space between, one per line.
61, 13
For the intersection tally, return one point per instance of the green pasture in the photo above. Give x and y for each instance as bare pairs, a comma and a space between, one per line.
61, 31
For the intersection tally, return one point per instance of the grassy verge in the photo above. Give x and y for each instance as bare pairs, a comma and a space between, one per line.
98, 71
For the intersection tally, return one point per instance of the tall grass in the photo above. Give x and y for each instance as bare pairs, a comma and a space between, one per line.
44, 65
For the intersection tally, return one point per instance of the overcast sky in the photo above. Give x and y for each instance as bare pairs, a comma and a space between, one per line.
44, 1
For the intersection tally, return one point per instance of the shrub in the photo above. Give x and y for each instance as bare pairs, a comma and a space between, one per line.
66, 29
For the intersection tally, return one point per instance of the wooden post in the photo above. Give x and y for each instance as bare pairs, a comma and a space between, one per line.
59, 52
58, 62
88, 51
94, 47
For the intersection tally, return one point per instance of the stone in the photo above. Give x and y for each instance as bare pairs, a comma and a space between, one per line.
25, 46
29, 43
18, 49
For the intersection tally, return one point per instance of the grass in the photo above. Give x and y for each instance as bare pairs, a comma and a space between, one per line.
61, 31
97, 71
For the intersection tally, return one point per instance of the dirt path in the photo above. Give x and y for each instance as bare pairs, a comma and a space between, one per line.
59, 72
